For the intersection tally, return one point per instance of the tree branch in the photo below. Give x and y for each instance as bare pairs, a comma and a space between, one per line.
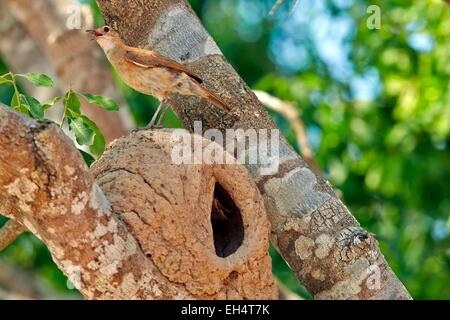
290, 112
279, 3
313, 230
9, 232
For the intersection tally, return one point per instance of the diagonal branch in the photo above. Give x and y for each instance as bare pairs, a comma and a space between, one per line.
275, 7
9, 232
279, 3
290, 112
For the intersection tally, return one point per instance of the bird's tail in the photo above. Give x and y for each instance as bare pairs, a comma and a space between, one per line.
215, 99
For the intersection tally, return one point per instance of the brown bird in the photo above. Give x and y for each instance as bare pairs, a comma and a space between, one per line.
149, 72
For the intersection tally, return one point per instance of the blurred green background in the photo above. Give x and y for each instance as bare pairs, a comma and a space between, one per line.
376, 104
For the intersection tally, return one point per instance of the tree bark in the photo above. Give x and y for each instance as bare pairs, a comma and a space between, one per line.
9, 232
313, 230
76, 61
46, 186
156, 241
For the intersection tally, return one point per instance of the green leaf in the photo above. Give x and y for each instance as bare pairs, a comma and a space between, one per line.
15, 105
87, 133
83, 133
87, 157
15, 102
4, 80
99, 144
72, 103
50, 104
34, 106
103, 102
40, 80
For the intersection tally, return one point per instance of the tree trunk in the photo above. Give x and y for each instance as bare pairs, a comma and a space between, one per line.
313, 230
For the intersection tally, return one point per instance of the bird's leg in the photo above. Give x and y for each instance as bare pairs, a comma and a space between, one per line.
161, 118
152, 122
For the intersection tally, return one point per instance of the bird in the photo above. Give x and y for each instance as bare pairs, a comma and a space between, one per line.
151, 73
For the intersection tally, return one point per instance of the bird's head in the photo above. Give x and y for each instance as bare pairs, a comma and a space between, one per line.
107, 37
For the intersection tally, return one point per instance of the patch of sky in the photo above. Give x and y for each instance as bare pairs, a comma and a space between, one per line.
366, 87
314, 134
415, 26
440, 144
330, 35
421, 42
290, 55
290, 37
354, 152
315, 97
440, 230
313, 23
251, 14
343, 4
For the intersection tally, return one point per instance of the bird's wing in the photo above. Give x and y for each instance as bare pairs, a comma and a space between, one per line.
150, 59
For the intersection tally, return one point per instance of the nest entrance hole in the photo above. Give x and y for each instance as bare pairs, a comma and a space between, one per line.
227, 224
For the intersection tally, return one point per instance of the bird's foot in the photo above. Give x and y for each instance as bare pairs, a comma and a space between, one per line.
148, 127
140, 129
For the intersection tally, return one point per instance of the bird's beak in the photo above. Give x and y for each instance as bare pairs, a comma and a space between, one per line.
94, 33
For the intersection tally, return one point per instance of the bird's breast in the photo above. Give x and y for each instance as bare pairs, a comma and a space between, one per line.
154, 81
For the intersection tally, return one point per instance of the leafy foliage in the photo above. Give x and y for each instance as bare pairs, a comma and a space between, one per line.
105, 103
28, 250
84, 129
83, 133
40, 80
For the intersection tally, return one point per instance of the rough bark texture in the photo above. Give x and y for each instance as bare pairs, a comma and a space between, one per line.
148, 245
76, 61
168, 209
45, 185
314, 231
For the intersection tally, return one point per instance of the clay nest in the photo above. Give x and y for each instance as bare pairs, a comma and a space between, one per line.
203, 226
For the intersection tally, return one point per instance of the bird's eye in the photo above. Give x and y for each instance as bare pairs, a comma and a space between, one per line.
105, 29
